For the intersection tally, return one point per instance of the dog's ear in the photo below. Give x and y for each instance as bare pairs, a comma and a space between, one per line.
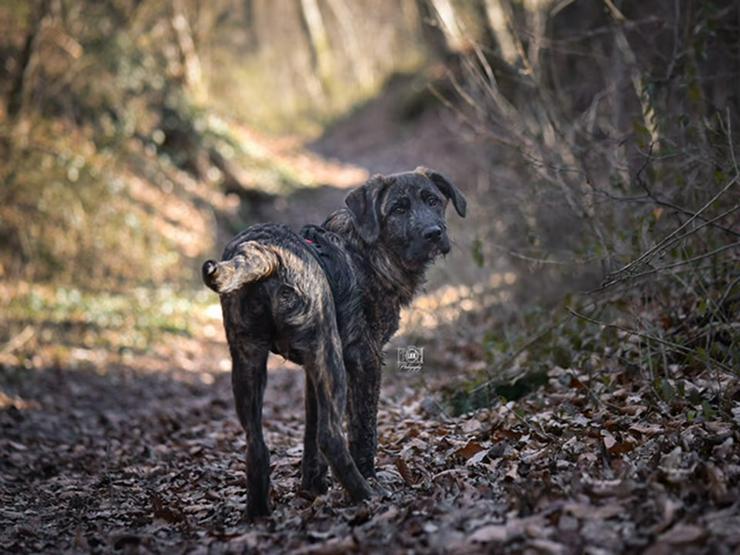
364, 207
447, 188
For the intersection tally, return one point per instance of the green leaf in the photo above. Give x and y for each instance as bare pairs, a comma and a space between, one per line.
665, 390
561, 356
477, 252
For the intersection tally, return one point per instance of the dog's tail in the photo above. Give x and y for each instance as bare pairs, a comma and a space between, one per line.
252, 263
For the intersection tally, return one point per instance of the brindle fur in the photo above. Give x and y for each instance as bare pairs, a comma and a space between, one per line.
329, 300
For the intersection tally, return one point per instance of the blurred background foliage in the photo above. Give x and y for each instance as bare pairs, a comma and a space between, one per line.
596, 140
120, 119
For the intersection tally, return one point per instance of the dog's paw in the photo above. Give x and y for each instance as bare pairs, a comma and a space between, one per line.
379, 490
314, 487
361, 492
366, 468
257, 511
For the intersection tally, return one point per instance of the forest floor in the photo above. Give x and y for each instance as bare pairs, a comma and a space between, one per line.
143, 453
116, 438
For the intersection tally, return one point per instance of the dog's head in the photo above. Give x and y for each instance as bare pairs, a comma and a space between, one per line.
405, 214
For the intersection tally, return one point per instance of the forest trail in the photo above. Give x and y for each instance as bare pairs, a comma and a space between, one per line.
147, 456
141, 451
144, 454
374, 138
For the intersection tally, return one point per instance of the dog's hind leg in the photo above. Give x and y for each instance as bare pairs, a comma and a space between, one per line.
248, 379
313, 467
326, 369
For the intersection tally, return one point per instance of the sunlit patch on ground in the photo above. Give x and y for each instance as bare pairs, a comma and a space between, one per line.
13, 401
448, 303
71, 328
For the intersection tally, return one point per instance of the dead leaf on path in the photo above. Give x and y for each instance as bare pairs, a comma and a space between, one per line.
648, 429
736, 414
532, 456
588, 511
470, 449
491, 533
547, 547
682, 534
717, 481
405, 472
669, 508
622, 447
609, 440
472, 425
477, 458
632, 409
503, 434
162, 511
387, 516
80, 542
607, 488
334, 546
722, 451
244, 542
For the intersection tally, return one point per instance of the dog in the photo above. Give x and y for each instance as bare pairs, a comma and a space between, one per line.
329, 299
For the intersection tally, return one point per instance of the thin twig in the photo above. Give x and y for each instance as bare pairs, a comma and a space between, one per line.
661, 202
536, 260
648, 337
658, 246
677, 264
634, 277
19, 340
518, 352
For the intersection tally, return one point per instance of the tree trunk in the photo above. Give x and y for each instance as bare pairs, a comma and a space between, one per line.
449, 24
192, 70
250, 22
432, 32
20, 89
360, 63
497, 19
321, 54
636, 76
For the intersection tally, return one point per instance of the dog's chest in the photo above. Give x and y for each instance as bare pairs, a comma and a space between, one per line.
363, 310
363, 313
382, 317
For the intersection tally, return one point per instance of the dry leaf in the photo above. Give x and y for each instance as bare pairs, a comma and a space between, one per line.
470, 449
682, 534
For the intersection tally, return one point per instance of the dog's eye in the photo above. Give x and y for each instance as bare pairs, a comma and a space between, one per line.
400, 209
433, 201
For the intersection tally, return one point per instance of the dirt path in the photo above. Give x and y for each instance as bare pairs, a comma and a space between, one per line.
377, 137
147, 457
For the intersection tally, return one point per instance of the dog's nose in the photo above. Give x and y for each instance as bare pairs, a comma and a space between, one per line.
432, 233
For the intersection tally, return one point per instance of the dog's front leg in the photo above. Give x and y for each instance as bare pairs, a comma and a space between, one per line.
364, 375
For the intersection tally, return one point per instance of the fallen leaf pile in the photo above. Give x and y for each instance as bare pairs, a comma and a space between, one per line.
146, 459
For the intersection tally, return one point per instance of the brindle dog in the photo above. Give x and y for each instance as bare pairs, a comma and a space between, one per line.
328, 299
